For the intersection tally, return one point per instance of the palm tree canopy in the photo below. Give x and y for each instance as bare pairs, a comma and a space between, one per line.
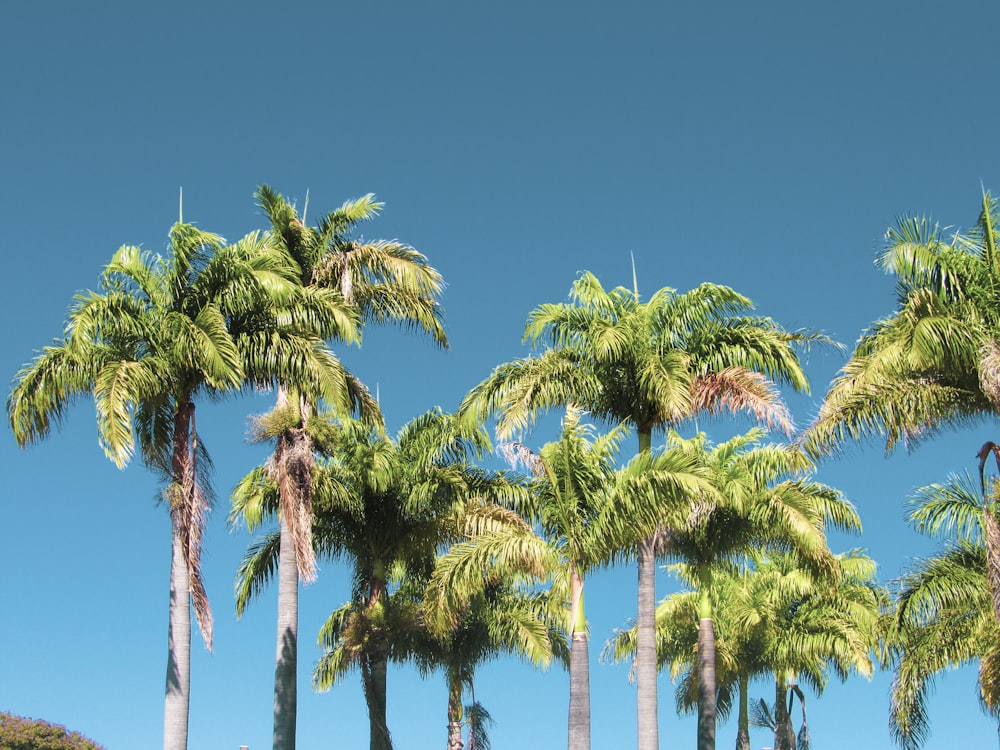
943, 617
207, 318
650, 363
933, 362
762, 497
385, 281
772, 615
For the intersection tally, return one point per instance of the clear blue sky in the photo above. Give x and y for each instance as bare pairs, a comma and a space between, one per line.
766, 146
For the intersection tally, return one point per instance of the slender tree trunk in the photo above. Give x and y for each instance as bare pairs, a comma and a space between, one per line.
647, 700
784, 735
374, 666
373, 677
177, 698
743, 727
706, 663
293, 469
286, 659
454, 710
645, 655
579, 669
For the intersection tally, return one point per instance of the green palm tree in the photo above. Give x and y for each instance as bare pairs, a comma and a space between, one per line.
377, 281
386, 506
651, 365
571, 477
935, 360
773, 617
502, 618
207, 318
762, 499
943, 614
579, 503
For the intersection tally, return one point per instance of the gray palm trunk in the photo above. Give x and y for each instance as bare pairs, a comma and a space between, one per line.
454, 710
743, 730
177, 699
645, 654
647, 699
784, 732
374, 667
579, 693
706, 684
286, 658
579, 672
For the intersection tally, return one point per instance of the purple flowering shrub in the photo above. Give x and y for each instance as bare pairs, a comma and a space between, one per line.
18, 733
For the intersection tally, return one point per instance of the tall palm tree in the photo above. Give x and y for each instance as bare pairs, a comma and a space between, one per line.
935, 360
207, 318
379, 281
384, 505
943, 614
651, 365
571, 477
502, 618
579, 501
773, 617
762, 499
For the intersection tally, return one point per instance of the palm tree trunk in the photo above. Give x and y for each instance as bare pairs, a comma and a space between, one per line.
784, 735
579, 669
178, 688
743, 724
454, 710
293, 467
286, 659
706, 663
177, 699
645, 652
373, 678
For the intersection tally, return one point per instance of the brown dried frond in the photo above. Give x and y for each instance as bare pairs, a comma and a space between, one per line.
989, 372
293, 471
188, 511
992, 528
517, 453
736, 389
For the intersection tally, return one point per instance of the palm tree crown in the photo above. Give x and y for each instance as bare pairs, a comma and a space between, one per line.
651, 365
208, 318
935, 361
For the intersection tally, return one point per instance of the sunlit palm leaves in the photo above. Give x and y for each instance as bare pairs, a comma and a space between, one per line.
933, 362
944, 611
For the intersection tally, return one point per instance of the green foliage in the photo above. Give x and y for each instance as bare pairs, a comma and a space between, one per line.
933, 362
18, 733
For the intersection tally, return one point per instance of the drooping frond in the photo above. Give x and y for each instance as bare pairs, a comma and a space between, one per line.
258, 566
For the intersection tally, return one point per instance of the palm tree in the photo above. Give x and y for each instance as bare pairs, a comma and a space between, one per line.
651, 365
502, 618
773, 617
943, 615
386, 506
379, 281
761, 499
207, 318
579, 503
571, 477
935, 361
764, 501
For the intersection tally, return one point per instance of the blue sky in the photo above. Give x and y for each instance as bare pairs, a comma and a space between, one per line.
765, 146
